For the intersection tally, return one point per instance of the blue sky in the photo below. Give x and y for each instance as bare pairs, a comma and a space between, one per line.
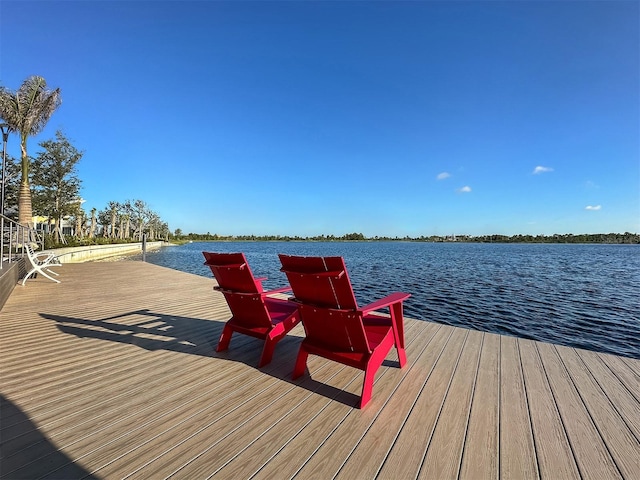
309, 118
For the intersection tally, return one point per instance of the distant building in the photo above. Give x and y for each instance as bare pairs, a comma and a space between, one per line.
46, 225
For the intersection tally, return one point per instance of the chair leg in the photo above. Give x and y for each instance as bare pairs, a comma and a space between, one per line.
225, 338
367, 384
31, 272
34, 272
402, 357
267, 351
49, 277
301, 363
398, 332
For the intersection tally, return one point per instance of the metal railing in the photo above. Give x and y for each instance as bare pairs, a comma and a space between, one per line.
14, 236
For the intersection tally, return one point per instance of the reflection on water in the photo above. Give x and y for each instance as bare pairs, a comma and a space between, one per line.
577, 295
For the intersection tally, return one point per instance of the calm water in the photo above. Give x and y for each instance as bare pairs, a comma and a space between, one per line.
578, 295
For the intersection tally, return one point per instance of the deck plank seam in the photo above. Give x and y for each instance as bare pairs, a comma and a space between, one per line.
183, 421
98, 447
499, 411
354, 411
388, 399
630, 363
106, 352
73, 425
621, 380
264, 408
348, 455
43, 360
557, 410
473, 391
415, 400
327, 404
88, 384
586, 407
90, 379
526, 398
607, 396
444, 397
203, 428
257, 472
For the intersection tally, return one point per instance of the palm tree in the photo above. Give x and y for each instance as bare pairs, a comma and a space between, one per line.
113, 208
26, 112
92, 228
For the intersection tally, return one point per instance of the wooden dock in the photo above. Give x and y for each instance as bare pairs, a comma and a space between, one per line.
112, 374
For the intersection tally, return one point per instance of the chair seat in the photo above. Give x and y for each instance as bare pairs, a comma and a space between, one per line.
377, 336
279, 310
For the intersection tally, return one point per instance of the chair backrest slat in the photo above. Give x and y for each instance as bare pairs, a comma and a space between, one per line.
328, 306
232, 271
242, 292
321, 281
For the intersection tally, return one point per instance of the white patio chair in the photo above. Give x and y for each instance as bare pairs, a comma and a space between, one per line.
41, 263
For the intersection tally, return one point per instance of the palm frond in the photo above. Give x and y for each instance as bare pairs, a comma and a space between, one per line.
9, 111
36, 104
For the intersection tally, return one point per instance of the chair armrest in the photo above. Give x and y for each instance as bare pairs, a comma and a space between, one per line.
45, 258
258, 283
250, 294
385, 302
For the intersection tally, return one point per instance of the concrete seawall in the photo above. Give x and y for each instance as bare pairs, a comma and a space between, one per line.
99, 252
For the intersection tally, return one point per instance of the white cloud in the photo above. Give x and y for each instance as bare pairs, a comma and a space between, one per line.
465, 189
593, 207
540, 169
443, 175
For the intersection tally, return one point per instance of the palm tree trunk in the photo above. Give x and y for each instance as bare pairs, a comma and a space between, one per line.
92, 229
25, 212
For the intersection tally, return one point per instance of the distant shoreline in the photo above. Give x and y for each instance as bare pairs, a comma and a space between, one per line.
596, 238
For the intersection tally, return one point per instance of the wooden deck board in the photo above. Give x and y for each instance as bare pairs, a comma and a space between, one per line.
481, 451
518, 458
620, 441
419, 426
555, 457
369, 453
445, 450
113, 374
592, 457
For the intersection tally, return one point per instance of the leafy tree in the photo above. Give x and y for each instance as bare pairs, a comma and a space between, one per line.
79, 217
26, 112
104, 218
140, 215
56, 186
12, 186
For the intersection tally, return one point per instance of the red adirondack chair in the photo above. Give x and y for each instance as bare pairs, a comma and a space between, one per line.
253, 312
336, 328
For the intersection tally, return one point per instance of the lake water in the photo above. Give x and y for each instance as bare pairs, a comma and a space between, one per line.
577, 295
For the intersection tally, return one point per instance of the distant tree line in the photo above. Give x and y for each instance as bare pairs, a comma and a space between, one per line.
55, 190
619, 238
614, 238
179, 235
